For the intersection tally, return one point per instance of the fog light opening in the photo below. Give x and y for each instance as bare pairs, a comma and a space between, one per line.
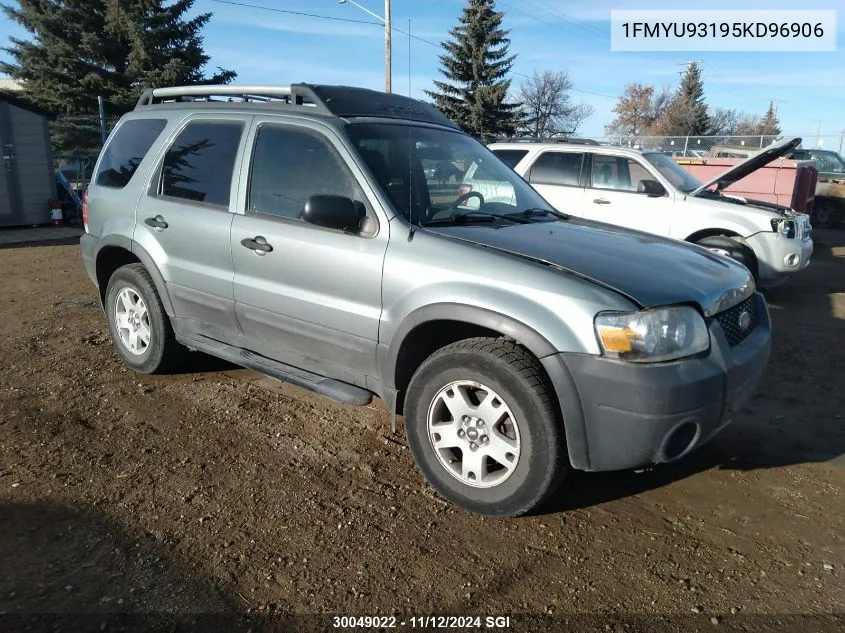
680, 440
792, 260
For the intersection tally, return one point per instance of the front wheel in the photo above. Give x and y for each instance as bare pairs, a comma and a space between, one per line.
735, 249
483, 427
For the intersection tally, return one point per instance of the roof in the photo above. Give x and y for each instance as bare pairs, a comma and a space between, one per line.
10, 85
568, 147
338, 101
17, 100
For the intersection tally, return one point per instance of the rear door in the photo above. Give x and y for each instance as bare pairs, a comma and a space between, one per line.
312, 296
185, 217
559, 177
612, 196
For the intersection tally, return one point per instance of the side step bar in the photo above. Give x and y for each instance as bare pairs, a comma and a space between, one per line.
334, 389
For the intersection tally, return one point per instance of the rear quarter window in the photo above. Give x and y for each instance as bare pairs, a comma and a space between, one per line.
126, 150
511, 157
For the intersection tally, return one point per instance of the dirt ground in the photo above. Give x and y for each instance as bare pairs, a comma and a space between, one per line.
219, 491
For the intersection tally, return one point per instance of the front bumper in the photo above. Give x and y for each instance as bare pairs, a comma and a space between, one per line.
778, 256
621, 415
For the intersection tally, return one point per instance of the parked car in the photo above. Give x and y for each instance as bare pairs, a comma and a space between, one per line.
292, 230
829, 206
680, 153
649, 191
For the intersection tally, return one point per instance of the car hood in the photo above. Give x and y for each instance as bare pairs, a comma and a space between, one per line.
750, 164
649, 270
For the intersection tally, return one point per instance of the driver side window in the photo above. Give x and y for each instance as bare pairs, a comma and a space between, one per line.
616, 173
289, 166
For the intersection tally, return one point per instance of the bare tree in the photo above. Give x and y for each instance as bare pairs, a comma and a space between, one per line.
547, 107
724, 121
638, 110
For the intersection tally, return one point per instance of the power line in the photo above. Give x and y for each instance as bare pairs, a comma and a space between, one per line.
309, 15
398, 30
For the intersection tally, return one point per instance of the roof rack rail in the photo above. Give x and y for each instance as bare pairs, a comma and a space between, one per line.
549, 139
339, 101
298, 94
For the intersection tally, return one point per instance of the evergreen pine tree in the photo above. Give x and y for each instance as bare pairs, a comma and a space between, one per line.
81, 49
475, 65
770, 126
687, 114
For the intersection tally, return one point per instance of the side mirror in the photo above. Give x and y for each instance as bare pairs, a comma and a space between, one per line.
651, 188
334, 212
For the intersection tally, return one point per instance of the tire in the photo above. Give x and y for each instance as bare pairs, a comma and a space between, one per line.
823, 216
484, 371
735, 249
160, 352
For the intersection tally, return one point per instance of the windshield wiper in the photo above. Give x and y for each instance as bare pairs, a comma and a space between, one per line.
472, 217
536, 213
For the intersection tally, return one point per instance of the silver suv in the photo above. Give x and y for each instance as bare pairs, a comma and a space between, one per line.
318, 234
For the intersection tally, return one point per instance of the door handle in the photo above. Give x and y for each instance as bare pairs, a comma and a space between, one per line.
257, 244
157, 223
601, 201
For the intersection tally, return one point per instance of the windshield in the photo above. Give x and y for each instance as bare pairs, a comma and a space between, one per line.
679, 177
437, 175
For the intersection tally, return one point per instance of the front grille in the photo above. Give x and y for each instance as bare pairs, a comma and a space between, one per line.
730, 321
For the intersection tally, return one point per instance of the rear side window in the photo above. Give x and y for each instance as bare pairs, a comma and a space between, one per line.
289, 166
510, 157
199, 164
126, 150
557, 168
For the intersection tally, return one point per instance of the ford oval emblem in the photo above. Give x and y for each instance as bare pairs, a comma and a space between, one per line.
744, 320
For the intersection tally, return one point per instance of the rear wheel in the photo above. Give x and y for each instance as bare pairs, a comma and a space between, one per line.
735, 248
822, 216
140, 328
483, 428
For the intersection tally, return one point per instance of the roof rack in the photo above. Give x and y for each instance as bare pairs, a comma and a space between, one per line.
548, 139
339, 101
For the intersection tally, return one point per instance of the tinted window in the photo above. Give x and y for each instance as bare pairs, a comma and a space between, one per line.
396, 153
557, 168
618, 173
126, 150
510, 156
199, 164
289, 166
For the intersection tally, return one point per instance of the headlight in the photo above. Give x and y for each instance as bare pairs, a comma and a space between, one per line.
652, 335
787, 228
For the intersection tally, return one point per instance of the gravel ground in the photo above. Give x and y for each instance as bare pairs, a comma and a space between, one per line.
217, 490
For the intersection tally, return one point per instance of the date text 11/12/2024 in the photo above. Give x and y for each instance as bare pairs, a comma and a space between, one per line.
422, 622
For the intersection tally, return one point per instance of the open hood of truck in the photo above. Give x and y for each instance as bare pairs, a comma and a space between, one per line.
750, 164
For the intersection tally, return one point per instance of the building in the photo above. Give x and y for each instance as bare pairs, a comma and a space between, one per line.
27, 181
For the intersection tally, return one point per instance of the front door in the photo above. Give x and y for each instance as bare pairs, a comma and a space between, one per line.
612, 196
184, 221
306, 295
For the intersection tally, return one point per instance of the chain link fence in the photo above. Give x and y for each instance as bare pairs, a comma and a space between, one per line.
77, 141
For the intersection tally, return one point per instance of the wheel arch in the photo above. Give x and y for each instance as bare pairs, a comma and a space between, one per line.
117, 251
432, 327
712, 232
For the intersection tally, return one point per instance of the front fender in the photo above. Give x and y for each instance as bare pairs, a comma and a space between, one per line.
535, 342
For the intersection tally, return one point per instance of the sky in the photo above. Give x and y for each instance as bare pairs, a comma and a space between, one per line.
269, 46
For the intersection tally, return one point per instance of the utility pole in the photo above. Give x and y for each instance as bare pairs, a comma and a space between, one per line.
387, 39
776, 103
818, 133
388, 63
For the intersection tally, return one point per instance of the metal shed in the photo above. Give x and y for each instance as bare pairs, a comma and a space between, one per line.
27, 181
